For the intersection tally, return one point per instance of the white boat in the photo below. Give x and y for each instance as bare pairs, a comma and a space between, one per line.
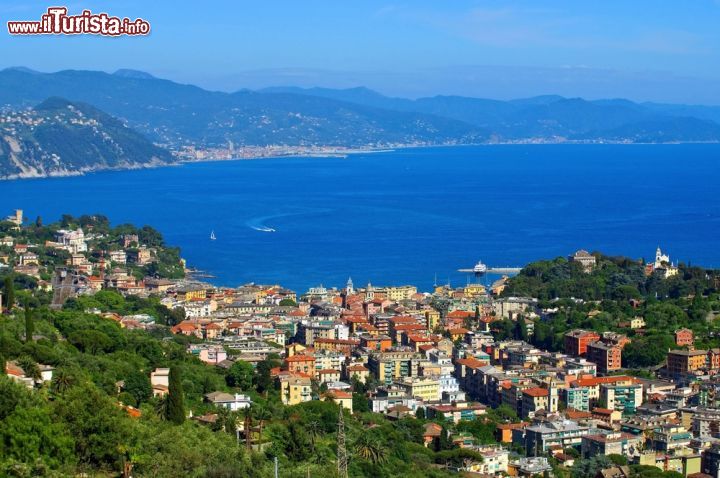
212, 235
480, 268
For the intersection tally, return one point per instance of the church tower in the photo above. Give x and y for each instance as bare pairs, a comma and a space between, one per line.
349, 289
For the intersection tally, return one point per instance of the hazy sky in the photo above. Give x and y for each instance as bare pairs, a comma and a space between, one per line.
662, 50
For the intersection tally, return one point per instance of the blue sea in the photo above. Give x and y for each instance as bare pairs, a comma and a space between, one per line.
410, 215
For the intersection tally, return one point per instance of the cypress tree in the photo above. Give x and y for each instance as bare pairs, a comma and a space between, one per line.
9, 293
175, 407
29, 324
443, 442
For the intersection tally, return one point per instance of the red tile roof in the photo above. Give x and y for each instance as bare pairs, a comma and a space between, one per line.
458, 331
300, 358
357, 368
536, 392
460, 314
471, 362
339, 394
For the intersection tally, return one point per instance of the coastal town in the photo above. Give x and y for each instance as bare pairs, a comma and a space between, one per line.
448, 358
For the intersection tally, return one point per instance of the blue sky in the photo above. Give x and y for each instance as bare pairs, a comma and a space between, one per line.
661, 50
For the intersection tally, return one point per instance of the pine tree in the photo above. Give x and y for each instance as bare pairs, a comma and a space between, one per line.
175, 408
29, 324
9, 293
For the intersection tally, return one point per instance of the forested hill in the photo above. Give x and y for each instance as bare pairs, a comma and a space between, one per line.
613, 278
618, 295
59, 137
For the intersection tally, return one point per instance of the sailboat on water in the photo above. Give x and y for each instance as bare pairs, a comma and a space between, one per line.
212, 235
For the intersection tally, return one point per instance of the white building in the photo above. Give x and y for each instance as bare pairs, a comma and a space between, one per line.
663, 265
448, 384
342, 331
495, 460
118, 257
71, 241
231, 402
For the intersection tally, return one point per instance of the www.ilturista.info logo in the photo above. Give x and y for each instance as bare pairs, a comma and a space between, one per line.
57, 22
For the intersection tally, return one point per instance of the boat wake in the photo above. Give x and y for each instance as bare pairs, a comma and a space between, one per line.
263, 228
260, 223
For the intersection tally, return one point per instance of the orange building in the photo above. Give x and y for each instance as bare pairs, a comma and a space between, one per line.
416, 340
380, 342
713, 359
339, 345
458, 333
576, 341
504, 431
301, 364
684, 337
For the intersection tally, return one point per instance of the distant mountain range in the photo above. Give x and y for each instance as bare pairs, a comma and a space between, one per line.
60, 138
175, 115
549, 117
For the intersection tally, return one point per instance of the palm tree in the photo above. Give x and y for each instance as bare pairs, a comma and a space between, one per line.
262, 414
62, 381
370, 449
161, 407
248, 414
314, 430
30, 367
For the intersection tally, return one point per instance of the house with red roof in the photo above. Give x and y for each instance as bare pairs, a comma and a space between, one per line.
299, 363
535, 399
457, 333
341, 397
212, 330
357, 370
187, 327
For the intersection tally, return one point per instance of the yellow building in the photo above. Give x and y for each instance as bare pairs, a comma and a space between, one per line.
427, 389
474, 290
341, 397
190, 293
388, 366
432, 318
260, 295
294, 349
393, 294
685, 361
295, 389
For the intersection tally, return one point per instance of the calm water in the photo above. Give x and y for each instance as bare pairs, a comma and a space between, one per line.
403, 217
